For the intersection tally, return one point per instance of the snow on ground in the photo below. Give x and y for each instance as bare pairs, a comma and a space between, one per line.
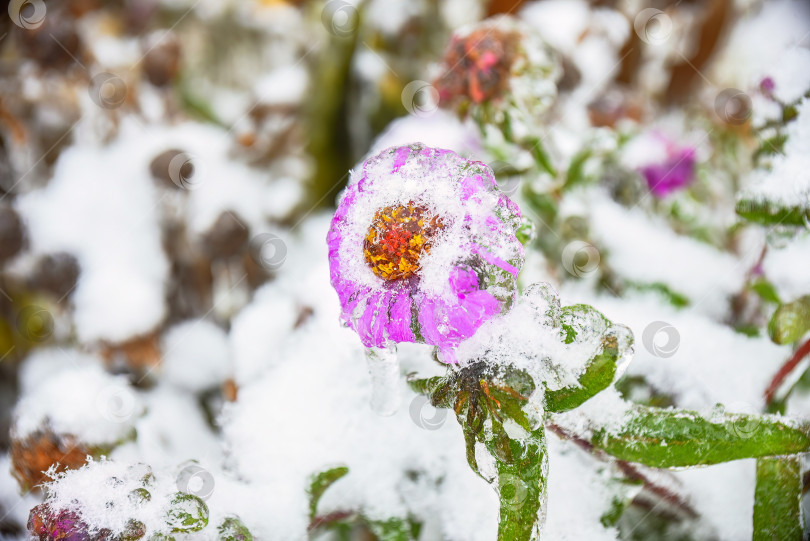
643, 249
725, 495
119, 241
96, 407
697, 360
788, 182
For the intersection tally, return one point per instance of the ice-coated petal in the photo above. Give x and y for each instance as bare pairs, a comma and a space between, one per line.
676, 172
400, 318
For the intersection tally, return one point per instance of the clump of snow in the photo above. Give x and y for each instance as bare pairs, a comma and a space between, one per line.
108, 494
283, 86
605, 410
173, 429
390, 17
45, 363
791, 75
530, 337
560, 22
644, 249
591, 38
579, 494
100, 206
788, 181
785, 267
724, 494
440, 128
763, 44
195, 355
260, 330
696, 360
85, 401
14, 506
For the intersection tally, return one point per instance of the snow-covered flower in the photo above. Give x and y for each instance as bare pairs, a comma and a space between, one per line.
423, 248
47, 524
501, 62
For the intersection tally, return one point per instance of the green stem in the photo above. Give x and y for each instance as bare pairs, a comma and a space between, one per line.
522, 487
777, 499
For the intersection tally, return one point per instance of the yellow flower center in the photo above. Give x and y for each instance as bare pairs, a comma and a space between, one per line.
397, 238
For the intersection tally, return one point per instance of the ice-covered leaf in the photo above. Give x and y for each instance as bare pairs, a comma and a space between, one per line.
666, 438
777, 499
554, 346
233, 529
790, 321
393, 529
188, 513
598, 375
320, 482
769, 213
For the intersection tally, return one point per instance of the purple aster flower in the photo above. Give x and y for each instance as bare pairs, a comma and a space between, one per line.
423, 248
767, 86
675, 172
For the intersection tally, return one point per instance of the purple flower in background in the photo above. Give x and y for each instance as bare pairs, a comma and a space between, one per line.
675, 172
767, 86
423, 248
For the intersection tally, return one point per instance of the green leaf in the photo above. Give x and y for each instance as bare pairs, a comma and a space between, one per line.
232, 529
188, 513
777, 499
319, 483
526, 231
678, 300
667, 438
393, 529
598, 375
790, 321
438, 389
576, 169
636, 389
768, 213
522, 485
511, 405
544, 210
769, 147
765, 290
581, 321
424, 386
535, 147
533, 144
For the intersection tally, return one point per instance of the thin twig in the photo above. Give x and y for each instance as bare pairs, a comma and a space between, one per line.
631, 471
786, 369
